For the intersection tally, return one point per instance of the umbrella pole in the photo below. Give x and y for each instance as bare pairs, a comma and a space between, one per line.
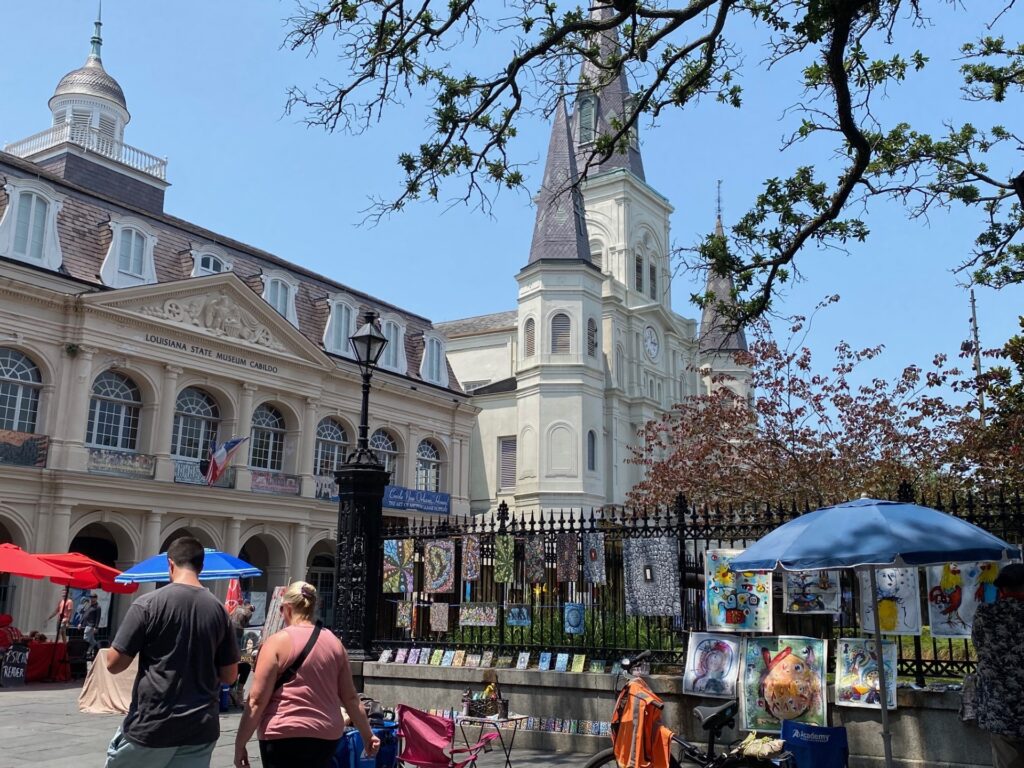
56, 639
883, 688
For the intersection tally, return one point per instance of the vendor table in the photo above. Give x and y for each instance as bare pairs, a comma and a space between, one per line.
47, 662
502, 725
104, 693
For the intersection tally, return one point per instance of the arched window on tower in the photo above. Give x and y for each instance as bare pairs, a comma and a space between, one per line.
591, 451
638, 264
597, 254
20, 383
587, 116
591, 337
529, 338
652, 283
561, 334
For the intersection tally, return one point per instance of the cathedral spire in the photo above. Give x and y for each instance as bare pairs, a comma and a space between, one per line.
560, 231
97, 39
604, 99
717, 333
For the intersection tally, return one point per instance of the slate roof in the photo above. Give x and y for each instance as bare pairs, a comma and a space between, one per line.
473, 326
717, 334
93, 80
85, 239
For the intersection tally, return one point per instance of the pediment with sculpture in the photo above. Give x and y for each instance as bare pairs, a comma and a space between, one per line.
217, 314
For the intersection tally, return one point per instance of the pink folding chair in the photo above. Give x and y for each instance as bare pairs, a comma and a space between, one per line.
426, 741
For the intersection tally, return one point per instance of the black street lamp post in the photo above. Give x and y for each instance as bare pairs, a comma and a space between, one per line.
361, 482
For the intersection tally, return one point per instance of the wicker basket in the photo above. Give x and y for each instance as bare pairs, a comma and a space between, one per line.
481, 707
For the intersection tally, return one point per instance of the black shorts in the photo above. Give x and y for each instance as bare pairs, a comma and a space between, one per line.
290, 753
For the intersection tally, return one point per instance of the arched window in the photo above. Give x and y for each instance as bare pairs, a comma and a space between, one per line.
433, 368
382, 444
587, 111
114, 412
428, 467
196, 417
339, 328
620, 367
393, 333
279, 295
131, 252
652, 286
592, 337
19, 391
208, 264
638, 264
592, 451
561, 329
30, 228
331, 447
529, 338
268, 430
596, 254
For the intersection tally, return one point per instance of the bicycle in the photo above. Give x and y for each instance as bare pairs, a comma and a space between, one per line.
684, 754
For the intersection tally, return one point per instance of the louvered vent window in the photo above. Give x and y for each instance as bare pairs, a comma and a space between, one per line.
80, 123
506, 462
588, 119
591, 338
639, 264
561, 328
529, 338
107, 126
653, 282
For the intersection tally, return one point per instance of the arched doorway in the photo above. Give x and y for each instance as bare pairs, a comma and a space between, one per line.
264, 551
320, 573
7, 587
196, 533
110, 545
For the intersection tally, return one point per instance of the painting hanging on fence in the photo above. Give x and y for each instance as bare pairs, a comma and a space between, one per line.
712, 665
470, 558
955, 590
517, 616
857, 672
439, 617
478, 615
567, 564
403, 614
535, 570
736, 601
782, 678
439, 565
899, 601
573, 618
504, 559
652, 576
399, 557
593, 558
811, 591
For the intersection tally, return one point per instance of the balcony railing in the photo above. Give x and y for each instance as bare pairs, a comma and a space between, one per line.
23, 449
276, 483
94, 141
105, 461
187, 471
326, 488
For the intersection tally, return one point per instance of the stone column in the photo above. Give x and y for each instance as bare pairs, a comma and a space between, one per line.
164, 423
73, 415
35, 602
307, 447
243, 478
231, 542
151, 542
297, 560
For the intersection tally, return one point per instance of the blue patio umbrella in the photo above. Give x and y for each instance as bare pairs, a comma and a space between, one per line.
216, 565
869, 533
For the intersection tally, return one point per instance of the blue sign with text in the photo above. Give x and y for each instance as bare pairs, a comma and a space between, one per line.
397, 497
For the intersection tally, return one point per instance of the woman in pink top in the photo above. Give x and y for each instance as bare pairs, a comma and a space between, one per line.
300, 722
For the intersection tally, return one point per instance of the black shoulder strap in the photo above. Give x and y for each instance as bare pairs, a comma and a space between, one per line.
289, 674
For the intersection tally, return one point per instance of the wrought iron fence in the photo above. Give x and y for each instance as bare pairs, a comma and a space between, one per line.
528, 610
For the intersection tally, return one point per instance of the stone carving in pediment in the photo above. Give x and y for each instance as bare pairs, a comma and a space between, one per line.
218, 314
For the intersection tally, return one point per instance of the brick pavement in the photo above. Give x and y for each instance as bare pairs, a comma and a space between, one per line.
40, 725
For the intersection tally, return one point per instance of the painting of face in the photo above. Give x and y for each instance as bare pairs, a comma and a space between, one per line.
783, 679
898, 598
712, 665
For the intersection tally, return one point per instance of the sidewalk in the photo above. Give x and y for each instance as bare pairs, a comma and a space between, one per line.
40, 725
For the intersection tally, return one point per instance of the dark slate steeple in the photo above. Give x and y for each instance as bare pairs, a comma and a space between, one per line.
604, 97
560, 231
717, 333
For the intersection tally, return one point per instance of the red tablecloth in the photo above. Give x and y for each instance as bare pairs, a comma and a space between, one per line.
43, 666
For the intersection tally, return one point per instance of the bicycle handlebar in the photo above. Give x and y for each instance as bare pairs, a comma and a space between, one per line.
628, 663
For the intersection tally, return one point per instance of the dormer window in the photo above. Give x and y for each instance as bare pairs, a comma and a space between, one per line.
279, 291
209, 264
28, 228
129, 259
394, 353
340, 326
434, 369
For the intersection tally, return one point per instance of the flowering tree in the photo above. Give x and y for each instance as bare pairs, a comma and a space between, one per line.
802, 435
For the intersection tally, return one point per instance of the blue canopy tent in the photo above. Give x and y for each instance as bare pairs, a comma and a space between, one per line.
216, 565
869, 533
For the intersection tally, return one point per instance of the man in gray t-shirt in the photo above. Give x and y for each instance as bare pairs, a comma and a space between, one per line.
186, 649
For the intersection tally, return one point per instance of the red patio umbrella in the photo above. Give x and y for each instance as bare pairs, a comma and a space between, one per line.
86, 573
17, 561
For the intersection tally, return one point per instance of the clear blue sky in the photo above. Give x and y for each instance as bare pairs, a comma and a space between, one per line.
206, 86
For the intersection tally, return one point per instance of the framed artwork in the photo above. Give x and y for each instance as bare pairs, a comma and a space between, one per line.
857, 673
712, 665
536, 573
399, 558
523, 662
566, 562
439, 565
425, 656
470, 558
593, 558
955, 590
403, 615
899, 601
562, 662
478, 615
735, 602
439, 617
504, 559
579, 662
250, 642
413, 657
459, 658
573, 615
782, 678
544, 661
517, 616
487, 659
811, 591
652, 576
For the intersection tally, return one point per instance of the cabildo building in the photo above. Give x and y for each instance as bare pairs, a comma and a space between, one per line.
130, 340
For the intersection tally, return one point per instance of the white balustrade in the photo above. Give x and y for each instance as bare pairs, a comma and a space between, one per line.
94, 141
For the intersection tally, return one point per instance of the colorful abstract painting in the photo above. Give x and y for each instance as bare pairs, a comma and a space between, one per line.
593, 558
857, 672
899, 601
535, 570
478, 615
403, 615
652, 576
470, 558
439, 565
955, 590
517, 616
567, 564
573, 618
399, 557
504, 559
811, 591
782, 678
439, 617
736, 602
712, 665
